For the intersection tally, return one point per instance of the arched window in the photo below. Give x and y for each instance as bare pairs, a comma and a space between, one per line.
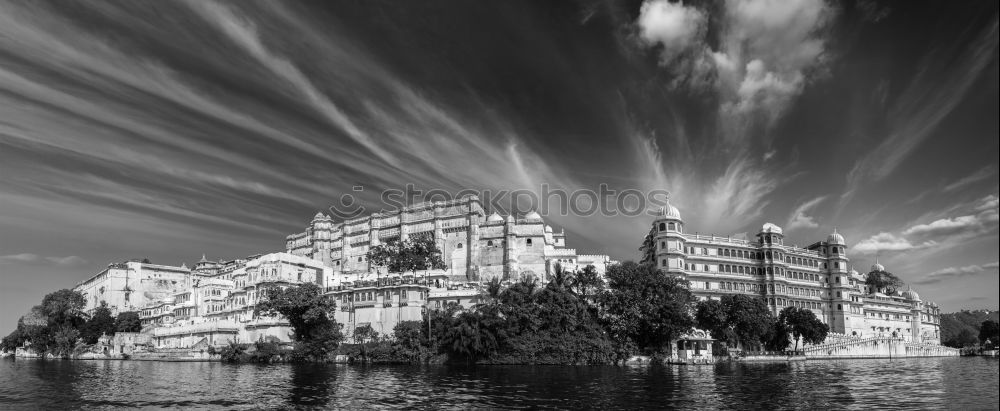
840, 307
663, 226
528, 242
459, 245
673, 226
489, 243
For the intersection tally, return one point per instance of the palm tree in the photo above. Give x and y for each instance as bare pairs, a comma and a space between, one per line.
490, 294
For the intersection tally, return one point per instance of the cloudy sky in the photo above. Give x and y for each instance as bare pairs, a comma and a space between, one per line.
169, 129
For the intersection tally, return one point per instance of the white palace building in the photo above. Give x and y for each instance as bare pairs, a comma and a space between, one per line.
213, 302
818, 277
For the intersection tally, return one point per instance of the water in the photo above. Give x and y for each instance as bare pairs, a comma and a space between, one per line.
917, 383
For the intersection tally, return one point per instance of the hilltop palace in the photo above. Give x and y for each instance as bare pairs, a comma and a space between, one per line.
212, 303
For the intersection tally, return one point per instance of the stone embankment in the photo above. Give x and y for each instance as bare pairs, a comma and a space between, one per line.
878, 347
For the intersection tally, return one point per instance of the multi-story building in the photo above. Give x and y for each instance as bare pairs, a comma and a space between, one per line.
817, 277
475, 247
129, 285
218, 301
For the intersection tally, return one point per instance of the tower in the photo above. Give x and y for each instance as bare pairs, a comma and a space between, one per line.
668, 241
771, 238
842, 290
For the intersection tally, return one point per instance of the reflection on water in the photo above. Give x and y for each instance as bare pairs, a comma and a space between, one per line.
952, 383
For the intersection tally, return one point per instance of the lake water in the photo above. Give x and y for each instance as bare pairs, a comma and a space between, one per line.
916, 383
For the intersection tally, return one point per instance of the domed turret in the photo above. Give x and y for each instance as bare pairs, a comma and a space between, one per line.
912, 295
494, 218
771, 228
533, 216
877, 266
835, 238
669, 211
548, 229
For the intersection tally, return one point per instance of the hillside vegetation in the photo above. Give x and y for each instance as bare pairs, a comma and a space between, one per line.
962, 328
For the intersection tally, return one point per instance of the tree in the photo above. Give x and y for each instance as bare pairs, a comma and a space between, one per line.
645, 307
310, 314
989, 331
101, 322
387, 255
776, 338
64, 340
587, 282
964, 338
128, 322
883, 281
802, 323
420, 253
710, 316
64, 307
490, 294
749, 318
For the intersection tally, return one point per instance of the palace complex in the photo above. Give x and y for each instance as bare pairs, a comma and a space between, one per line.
214, 301
818, 277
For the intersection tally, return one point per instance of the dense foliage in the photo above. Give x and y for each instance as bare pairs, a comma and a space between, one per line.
566, 321
128, 322
962, 328
419, 253
52, 327
311, 315
883, 282
644, 308
740, 321
804, 325
100, 323
989, 333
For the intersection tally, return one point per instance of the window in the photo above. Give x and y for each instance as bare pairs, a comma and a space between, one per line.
673, 226
663, 226
458, 246
528, 242
489, 243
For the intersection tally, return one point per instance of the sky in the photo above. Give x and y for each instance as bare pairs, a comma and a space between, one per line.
171, 129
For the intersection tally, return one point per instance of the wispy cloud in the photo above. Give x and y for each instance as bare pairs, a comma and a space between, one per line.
29, 258
980, 175
918, 111
887, 242
799, 219
952, 273
754, 61
982, 220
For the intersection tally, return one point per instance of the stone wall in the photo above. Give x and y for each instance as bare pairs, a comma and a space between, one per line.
878, 347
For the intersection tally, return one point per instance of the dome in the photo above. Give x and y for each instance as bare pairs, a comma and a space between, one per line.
548, 229
494, 218
670, 211
770, 228
318, 216
877, 266
533, 216
912, 295
853, 272
835, 238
